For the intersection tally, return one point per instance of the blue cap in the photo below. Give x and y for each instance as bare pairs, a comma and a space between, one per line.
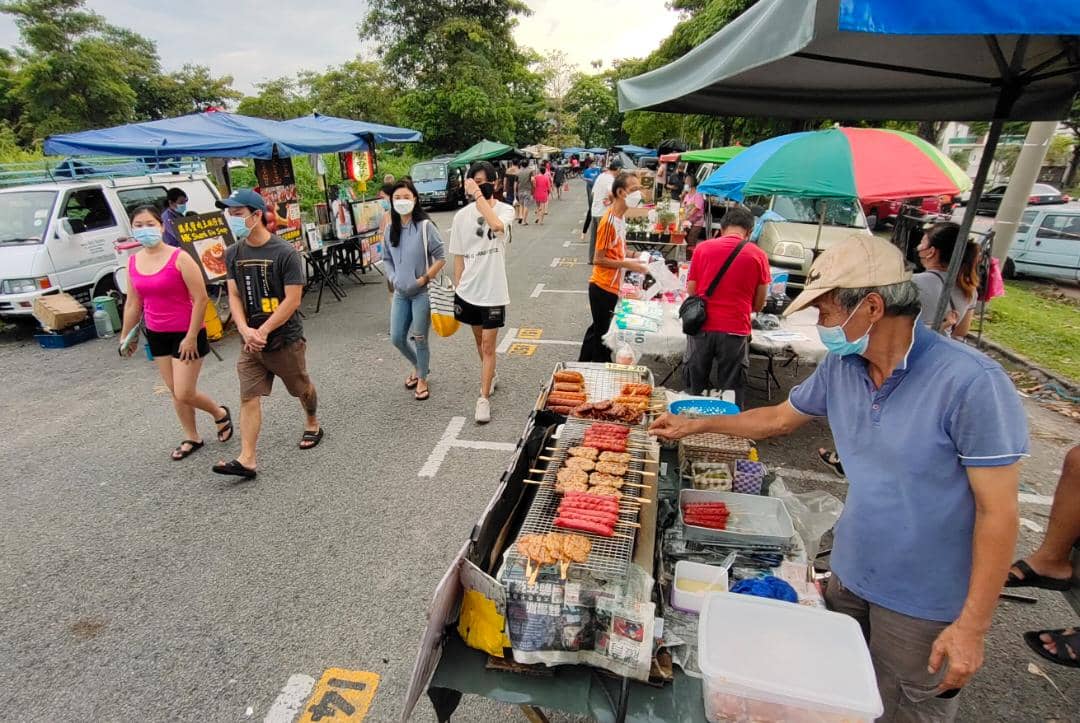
243, 197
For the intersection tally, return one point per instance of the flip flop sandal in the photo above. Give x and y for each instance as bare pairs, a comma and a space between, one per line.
313, 437
411, 382
422, 396
830, 460
193, 447
1063, 642
1034, 579
235, 469
227, 430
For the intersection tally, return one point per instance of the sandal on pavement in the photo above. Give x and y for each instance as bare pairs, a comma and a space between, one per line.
1034, 579
422, 396
192, 446
832, 461
1066, 645
411, 382
234, 468
311, 440
224, 434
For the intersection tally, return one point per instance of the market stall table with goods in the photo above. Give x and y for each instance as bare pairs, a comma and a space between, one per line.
564, 596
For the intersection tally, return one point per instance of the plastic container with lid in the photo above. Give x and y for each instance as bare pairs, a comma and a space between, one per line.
767, 660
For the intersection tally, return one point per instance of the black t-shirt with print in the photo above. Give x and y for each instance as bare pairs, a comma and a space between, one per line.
262, 273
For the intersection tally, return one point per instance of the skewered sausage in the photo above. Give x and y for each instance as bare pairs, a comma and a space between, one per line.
594, 528
566, 376
575, 387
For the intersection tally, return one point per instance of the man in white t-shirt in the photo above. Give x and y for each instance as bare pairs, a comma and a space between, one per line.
601, 191
478, 239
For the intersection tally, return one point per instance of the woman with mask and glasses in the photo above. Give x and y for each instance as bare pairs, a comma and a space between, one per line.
414, 256
168, 293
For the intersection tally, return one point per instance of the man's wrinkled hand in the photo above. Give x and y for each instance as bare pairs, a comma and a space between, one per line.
671, 426
962, 648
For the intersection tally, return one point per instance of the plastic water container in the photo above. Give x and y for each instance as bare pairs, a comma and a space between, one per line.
102, 324
770, 660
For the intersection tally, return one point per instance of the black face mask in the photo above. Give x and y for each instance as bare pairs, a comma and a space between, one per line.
487, 190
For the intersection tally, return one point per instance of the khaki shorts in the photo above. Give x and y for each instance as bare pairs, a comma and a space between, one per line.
258, 369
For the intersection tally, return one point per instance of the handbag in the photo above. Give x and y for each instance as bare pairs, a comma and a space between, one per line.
694, 311
441, 295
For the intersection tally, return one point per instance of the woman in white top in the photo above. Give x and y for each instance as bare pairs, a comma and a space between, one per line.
935, 251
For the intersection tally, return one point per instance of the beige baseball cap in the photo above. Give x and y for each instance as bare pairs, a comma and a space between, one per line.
856, 262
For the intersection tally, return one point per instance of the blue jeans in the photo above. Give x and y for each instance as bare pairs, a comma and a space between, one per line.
410, 322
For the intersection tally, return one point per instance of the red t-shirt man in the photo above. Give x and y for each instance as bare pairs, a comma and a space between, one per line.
725, 335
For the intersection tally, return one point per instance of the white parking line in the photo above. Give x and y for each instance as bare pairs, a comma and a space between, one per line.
1031, 499
541, 289
290, 700
507, 340
449, 441
1031, 525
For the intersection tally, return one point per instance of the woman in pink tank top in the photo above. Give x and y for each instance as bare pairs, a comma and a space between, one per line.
168, 293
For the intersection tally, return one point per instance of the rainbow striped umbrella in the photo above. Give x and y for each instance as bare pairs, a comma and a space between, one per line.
870, 164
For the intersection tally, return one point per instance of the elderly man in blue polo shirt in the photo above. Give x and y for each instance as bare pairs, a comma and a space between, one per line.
931, 433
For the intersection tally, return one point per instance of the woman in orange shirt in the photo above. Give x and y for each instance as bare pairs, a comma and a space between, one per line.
609, 262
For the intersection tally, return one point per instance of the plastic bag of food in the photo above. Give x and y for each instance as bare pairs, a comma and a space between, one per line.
626, 356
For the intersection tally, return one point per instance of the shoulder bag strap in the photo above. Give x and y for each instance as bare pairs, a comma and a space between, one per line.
726, 266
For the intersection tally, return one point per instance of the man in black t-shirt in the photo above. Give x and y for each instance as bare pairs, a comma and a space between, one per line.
266, 282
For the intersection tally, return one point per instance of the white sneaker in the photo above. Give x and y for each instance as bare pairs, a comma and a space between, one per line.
483, 411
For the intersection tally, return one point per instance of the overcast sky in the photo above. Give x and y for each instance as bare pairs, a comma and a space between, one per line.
284, 36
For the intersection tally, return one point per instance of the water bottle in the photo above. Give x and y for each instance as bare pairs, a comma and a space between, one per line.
102, 323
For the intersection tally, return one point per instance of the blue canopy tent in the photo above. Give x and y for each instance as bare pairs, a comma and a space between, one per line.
636, 151
567, 152
597, 151
379, 132
204, 135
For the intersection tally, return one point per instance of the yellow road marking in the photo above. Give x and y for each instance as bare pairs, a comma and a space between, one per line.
526, 333
518, 349
344, 695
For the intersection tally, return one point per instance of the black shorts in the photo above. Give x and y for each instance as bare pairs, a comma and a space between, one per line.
167, 343
489, 317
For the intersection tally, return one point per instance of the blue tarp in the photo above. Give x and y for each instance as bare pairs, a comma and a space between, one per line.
382, 133
204, 135
597, 151
961, 17
567, 152
632, 150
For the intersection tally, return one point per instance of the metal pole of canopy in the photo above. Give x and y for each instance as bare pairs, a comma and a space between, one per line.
1011, 87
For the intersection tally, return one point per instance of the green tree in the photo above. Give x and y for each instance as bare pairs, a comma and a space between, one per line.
591, 100
277, 99
355, 89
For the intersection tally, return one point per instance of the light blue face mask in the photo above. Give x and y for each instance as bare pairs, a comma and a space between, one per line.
836, 341
147, 235
181, 208
385, 203
239, 227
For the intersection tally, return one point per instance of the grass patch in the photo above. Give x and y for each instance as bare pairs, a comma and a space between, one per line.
1044, 329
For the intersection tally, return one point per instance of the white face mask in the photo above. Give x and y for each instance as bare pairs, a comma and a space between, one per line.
404, 206
633, 200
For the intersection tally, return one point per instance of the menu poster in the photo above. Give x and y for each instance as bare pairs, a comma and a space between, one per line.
277, 186
314, 238
342, 219
205, 237
368, 215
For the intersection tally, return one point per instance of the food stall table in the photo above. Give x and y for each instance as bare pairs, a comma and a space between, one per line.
795, 341
321, 263
670, 251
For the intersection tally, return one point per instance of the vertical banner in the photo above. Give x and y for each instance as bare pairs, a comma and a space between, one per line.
277, 186
205, 237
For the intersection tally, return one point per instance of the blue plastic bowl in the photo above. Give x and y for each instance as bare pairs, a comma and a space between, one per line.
703, 407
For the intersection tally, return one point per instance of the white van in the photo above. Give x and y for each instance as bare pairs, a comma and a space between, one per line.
58, 227
1047, 244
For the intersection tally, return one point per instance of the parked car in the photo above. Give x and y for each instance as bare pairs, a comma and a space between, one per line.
1041, 194
60, 235
794, 243
439, 183
1047, 245
881, 213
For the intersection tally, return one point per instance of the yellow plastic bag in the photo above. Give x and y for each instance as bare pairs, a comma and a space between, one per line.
481, 626
444, 324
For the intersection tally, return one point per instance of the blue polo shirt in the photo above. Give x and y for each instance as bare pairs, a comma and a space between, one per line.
904, 539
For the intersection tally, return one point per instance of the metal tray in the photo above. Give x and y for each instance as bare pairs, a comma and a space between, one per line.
767, 521
604, 381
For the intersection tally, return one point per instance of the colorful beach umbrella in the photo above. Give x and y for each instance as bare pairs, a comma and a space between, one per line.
866, 163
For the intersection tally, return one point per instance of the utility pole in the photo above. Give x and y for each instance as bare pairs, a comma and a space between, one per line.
1023, 178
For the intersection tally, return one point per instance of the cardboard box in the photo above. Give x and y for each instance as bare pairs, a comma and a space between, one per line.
58, 311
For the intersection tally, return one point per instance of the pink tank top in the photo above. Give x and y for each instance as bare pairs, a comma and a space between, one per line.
166, 302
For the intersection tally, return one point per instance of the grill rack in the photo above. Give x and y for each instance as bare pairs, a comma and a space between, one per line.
605, 381
609, 556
